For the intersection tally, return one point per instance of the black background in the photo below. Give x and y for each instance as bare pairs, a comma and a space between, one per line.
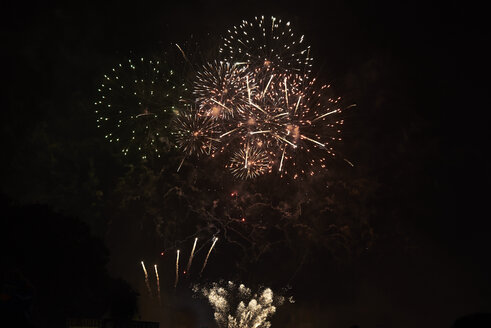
417, 128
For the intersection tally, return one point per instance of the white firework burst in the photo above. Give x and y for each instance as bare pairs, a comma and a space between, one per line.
135, 103
220, 87
267, 42
249, 163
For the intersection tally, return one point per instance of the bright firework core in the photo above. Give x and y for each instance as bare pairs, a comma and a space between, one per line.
269, 122
236, 306
249, 163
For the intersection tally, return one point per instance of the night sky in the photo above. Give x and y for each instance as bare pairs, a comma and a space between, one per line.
398, 240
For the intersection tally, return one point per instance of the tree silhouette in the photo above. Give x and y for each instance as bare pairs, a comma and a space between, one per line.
53, 269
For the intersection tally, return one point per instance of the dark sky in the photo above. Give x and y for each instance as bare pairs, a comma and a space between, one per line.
413, 132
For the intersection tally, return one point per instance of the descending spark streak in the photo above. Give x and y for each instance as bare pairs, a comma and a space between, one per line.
282, 156
324, 115
213, 139
208, 255
146, 278
239, 40
182, 161
144, 269
267, 85
261, 132
192, 255
183, 54
312, 140
262, 110
158, 282
279, 115
177, 269
219, 103
352, 165
228, 132
296, 107
246, 157
283, 139
286, 93
248, 89
144, 114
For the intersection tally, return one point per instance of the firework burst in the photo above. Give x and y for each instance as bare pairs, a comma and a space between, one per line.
287, 124
271, 115
136, 101
257, 107
249, 163
269, 43
236, 306
311, 127
195, 133
220, 86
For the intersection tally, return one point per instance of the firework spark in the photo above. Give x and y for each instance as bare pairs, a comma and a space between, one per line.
249, 163
158, 283
191, 255
177, 269
219, 86
147, 283
208, 255
195, 134
135, 104
235, 306
269, 43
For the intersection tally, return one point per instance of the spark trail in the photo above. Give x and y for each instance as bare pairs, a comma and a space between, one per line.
146, 278
158, 282
192, 255
177, 269
208, 255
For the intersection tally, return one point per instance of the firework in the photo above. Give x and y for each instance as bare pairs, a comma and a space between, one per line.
136, 101
195, 134
261, 121
191, 255
177, 269
259, 109
235, 306
220, 86
208, 255
146, 278
269, 43
249, 163
307, 136
158, 282
287, 123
